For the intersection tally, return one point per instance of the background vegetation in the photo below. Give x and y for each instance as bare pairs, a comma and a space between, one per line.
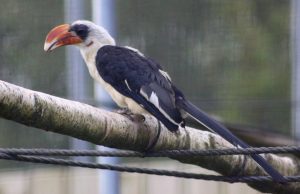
232, 58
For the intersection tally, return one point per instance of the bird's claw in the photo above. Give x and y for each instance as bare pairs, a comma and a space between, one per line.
138, 118
131, 116
123, 111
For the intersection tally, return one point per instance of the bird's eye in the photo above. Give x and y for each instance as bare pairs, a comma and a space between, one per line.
81, 30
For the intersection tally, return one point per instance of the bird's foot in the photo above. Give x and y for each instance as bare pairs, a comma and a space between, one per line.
131, 116
153, 140
123, 111
137, 118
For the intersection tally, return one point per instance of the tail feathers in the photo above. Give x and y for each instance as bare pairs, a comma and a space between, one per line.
216, 127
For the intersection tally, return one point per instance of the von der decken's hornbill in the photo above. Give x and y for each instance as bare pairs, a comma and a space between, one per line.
136, 82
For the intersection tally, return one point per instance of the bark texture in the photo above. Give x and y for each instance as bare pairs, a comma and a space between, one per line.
110, 129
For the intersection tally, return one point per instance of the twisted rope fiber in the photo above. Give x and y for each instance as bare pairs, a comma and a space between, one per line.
230, 179
166, 153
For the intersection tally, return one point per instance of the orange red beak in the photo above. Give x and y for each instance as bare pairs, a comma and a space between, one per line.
60, 36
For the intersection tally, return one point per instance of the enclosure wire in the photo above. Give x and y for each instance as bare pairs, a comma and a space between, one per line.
27, 155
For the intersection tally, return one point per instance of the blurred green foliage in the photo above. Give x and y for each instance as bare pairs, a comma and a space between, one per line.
232, 58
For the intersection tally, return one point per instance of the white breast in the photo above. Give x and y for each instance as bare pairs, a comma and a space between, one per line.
120, 99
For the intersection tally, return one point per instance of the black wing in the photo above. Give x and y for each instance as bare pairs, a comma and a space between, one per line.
142, 80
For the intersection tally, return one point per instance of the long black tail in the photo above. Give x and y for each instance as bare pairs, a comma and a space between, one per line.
215, 126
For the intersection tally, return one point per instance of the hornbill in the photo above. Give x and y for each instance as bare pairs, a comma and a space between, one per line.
138, 83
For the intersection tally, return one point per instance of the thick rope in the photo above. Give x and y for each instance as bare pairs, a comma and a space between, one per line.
30, 155
230, 179
166, 153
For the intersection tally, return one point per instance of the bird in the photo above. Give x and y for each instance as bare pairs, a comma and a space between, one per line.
138, 83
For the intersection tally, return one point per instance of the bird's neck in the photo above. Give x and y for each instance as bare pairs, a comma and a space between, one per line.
89, 54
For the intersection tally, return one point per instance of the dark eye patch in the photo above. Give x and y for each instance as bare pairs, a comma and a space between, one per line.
81, 30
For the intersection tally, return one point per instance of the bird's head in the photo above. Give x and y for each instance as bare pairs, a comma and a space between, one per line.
81, 33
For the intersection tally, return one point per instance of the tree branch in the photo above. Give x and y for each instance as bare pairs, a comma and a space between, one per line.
110, 129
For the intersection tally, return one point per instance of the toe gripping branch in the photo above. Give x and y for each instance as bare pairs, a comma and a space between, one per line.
154, 140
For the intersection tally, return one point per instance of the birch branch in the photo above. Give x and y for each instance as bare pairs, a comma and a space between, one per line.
110, 129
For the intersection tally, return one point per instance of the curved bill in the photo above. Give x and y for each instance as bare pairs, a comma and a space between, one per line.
60, 36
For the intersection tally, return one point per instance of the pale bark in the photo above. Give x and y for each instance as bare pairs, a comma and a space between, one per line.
101, 127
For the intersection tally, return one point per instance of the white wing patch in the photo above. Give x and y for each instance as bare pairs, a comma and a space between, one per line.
127, 85
165, 74
135, 50
144, 94
154, 99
